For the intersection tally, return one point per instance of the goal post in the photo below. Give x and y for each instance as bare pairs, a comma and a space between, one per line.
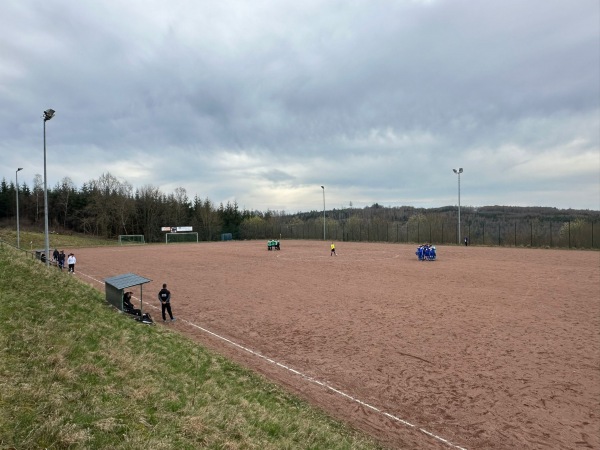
171, 238
131, 239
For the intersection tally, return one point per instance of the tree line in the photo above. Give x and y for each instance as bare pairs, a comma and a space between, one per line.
108, 207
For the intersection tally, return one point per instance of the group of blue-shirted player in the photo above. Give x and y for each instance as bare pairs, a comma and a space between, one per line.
426, 252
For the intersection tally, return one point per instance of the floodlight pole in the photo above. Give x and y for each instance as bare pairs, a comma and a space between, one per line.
323, 187
17, 183
458, 172
48, 114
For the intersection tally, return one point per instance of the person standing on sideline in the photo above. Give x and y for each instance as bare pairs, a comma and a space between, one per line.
61, 260
333, 250
55, 255
164, 295
466, 241
71, 260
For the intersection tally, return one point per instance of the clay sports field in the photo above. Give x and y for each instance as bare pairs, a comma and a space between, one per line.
485, 348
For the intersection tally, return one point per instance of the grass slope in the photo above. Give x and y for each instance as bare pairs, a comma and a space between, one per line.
74, 373
33, 240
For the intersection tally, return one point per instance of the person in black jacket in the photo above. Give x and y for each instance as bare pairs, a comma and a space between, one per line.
164, 296
61, 260
128, 306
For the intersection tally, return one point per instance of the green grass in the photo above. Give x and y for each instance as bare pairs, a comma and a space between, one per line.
76, 374
31, 240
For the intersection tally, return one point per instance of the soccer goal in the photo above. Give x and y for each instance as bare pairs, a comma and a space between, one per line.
131, 239
171, 238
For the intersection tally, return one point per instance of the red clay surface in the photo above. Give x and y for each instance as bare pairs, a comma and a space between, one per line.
485, 348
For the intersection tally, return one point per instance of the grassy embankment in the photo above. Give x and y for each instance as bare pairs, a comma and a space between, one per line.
74, 373
35, 241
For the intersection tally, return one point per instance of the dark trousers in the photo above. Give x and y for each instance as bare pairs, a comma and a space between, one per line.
166, 307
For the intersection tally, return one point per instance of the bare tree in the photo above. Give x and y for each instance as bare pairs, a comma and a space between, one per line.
181, 206
111, 204
64, 191
38, 191
149, 204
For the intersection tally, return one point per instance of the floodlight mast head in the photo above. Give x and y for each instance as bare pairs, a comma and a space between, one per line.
460, 170
48, 114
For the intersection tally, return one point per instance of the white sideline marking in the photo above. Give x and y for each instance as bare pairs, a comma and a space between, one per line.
313, 380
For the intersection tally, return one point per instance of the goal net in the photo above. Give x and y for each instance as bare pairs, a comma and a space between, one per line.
171, 238
131, 239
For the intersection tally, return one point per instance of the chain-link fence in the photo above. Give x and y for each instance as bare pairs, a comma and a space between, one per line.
578, 233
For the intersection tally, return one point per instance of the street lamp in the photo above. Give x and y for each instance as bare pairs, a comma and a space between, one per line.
17, 182
458, 172
48, 114
323, 187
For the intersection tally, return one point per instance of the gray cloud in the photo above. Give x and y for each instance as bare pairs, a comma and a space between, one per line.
263, 102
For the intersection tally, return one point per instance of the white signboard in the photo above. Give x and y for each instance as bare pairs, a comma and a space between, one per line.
177, 229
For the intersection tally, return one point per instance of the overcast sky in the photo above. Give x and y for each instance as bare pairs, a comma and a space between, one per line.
263, 101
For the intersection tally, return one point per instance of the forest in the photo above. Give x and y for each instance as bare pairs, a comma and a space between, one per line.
108, 207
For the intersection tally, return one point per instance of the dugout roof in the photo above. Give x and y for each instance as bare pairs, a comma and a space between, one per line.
126, 280
114, 287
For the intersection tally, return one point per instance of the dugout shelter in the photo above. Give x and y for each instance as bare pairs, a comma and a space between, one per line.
115, 288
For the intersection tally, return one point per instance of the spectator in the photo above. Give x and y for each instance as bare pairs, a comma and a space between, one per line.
61, 260
71, 260
128, 306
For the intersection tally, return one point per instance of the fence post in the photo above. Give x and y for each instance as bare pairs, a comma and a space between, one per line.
483, 234
418, 232
592, 234
550, 234
569, 234
442, 232
515, 234
531, 234
498, 235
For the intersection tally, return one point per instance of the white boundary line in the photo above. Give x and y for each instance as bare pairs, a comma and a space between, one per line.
313, 380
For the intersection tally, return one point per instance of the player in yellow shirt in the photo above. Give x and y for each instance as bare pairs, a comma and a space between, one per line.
333, 250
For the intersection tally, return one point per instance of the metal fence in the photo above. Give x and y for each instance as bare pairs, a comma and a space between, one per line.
579, 233
33, 254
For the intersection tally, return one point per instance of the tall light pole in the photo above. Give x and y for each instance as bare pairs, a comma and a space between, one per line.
17, 182
458, 172
48, 114
323, 187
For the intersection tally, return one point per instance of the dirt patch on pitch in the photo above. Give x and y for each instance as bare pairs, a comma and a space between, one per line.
484, 348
